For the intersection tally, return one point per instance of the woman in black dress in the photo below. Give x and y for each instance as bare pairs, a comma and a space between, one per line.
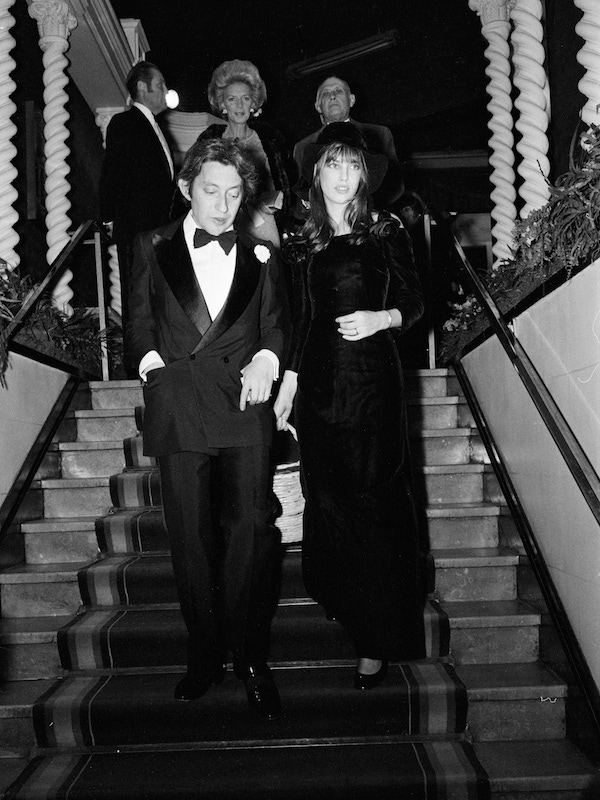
355, 291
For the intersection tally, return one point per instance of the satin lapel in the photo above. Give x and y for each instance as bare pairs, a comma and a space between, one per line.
176, 266
245, 281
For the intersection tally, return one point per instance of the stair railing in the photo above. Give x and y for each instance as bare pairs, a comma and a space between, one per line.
574, 456
58, 266
22, 482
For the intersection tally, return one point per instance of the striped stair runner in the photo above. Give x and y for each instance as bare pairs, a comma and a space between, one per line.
111, 727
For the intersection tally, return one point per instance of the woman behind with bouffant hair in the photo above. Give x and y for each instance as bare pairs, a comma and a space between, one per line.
237, 93
236, 71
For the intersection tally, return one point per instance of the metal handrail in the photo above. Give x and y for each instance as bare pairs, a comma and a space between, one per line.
56, 269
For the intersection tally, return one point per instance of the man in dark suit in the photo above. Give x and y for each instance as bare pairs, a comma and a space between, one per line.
208, 326
333, 103
136, 186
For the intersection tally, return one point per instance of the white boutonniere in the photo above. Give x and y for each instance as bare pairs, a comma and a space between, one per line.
262, 253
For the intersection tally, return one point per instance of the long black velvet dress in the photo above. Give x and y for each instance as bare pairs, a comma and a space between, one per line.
360, 544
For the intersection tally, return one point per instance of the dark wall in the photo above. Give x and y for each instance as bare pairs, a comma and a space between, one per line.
564, 73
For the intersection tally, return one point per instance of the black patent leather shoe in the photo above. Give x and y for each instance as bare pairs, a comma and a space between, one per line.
362, 681
262, 693
193, 687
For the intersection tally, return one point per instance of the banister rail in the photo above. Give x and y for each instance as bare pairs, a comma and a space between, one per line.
58, 266
56, 269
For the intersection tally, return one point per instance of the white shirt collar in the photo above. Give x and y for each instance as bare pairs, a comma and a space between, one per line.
146, 112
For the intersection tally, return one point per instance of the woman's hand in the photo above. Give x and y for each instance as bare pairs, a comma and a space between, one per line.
361, 324
282, 408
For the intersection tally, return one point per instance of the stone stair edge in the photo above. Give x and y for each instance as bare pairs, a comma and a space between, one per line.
91, 413
553, 765
43, 573
487, 613
511, 681
58, 524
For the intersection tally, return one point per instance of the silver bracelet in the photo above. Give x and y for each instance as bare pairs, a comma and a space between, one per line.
389, 325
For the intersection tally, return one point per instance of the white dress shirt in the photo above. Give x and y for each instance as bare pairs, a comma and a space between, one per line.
214, 270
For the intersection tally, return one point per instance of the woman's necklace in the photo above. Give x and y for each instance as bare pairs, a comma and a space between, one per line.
243, 137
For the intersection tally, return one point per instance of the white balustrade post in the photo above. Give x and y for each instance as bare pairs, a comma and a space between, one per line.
9, 238
533, 103
495, 26
55, 22
103, 117
588, 28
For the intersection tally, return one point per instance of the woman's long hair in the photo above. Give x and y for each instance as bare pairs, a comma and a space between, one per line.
318, 230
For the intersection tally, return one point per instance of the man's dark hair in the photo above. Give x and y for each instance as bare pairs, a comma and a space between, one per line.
225, 152
142, 71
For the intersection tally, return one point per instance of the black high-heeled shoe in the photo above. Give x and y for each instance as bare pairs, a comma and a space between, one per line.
363, 682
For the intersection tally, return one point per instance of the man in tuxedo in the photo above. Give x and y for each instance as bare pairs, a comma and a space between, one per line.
208, 325
136, 185
333, 103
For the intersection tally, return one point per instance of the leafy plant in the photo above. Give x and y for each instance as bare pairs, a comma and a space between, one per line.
563, 233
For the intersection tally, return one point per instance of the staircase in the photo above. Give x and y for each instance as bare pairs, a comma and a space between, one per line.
93, 643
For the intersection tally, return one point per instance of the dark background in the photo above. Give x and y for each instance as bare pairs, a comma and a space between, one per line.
430, 89
426, 88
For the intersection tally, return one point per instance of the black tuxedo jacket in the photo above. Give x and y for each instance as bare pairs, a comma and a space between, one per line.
136, 187
193, 402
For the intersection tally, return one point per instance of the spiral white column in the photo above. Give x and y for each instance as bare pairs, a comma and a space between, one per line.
103, 117
8, 194
533, 103
55, 22
588, 28
496, 29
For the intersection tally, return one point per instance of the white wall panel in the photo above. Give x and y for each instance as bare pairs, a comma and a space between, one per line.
566, 531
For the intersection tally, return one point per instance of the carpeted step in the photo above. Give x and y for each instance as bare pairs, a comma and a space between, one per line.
455, 483
133, 448
474, 574
141, 529
125, 638
135, 489
139, 579
380, 770
132, 530
420, 699
442, 446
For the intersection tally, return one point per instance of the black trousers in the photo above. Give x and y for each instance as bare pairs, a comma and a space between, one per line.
216, 509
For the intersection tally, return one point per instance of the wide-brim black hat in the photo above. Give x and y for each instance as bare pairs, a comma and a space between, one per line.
347, 134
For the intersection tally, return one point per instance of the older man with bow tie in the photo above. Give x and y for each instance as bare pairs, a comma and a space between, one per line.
209, 325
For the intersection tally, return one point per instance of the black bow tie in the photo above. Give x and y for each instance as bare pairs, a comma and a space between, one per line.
226, 239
